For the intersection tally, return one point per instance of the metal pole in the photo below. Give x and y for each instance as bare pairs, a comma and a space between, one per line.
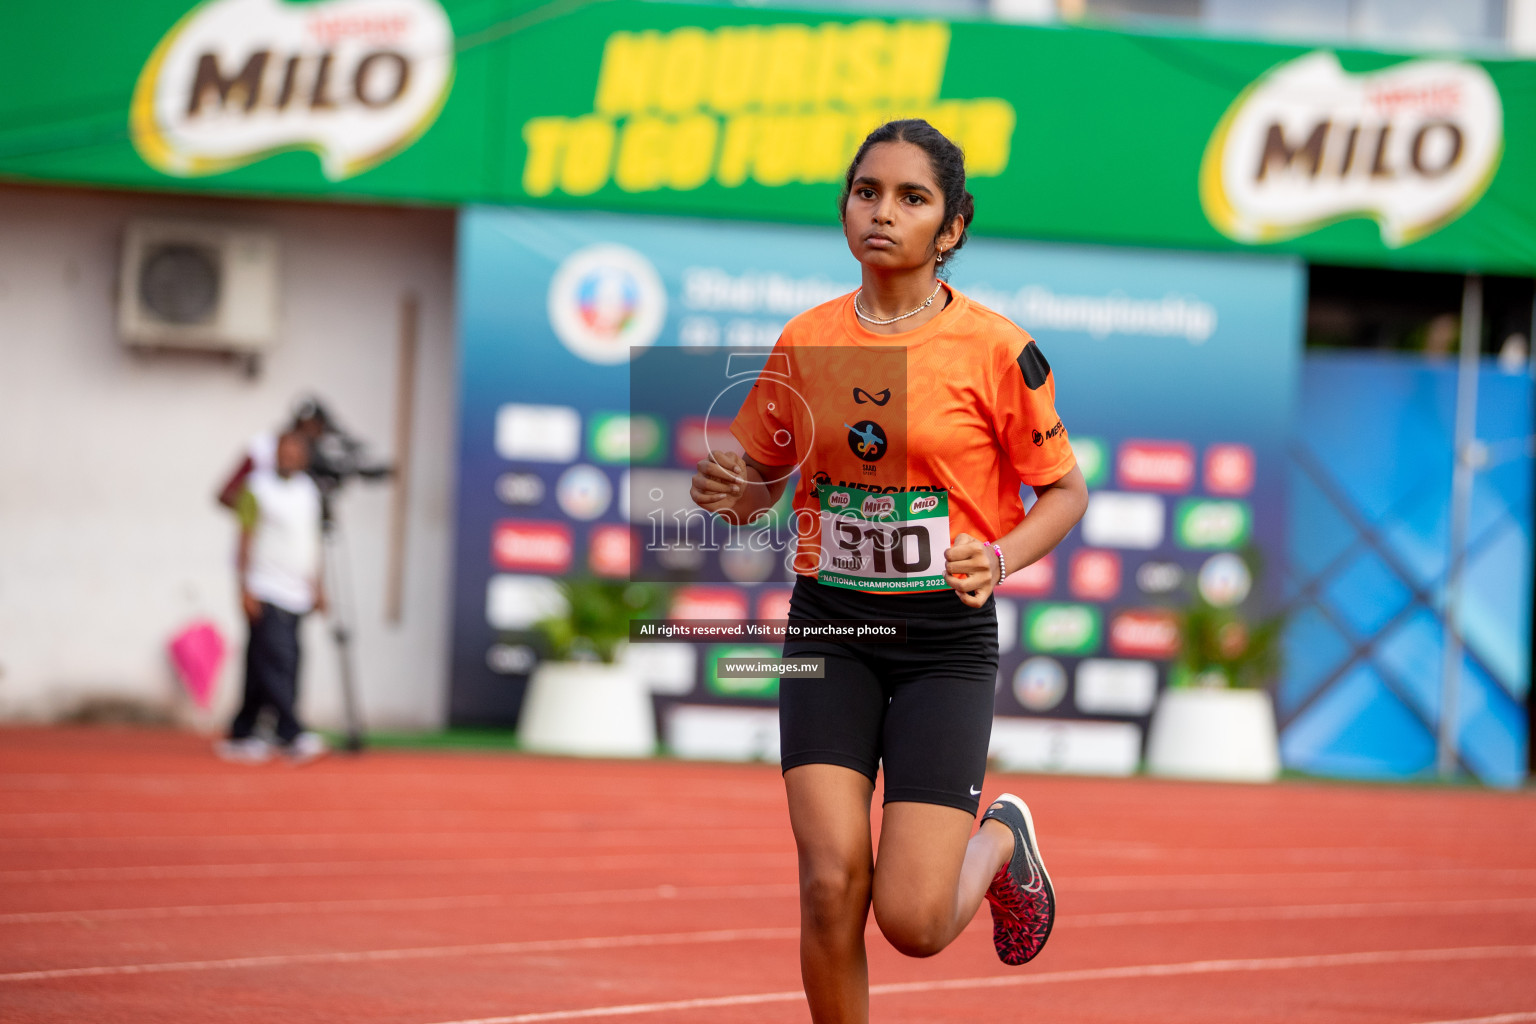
1464, 447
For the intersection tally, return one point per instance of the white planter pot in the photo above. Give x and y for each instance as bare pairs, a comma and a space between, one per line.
587, 709
1202, 733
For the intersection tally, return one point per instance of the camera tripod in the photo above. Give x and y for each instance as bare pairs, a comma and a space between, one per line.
338, 590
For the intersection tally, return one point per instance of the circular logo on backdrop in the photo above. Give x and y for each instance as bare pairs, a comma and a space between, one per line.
1224, 580
604, 299
1040, 683
584, 492
866, 440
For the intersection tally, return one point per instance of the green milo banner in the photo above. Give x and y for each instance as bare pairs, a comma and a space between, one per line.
746, 112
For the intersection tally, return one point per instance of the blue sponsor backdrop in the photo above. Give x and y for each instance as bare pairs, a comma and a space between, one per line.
1369, 550
1176, 379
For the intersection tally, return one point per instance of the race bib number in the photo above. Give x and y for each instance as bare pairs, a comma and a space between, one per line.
873, 541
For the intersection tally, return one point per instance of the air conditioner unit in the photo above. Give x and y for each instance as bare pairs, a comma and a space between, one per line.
198, 286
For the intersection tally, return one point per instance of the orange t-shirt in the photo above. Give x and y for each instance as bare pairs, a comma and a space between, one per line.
964, 404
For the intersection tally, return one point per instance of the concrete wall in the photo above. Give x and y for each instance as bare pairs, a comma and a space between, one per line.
110, 540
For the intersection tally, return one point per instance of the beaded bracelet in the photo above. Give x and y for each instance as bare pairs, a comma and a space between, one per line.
1002, 565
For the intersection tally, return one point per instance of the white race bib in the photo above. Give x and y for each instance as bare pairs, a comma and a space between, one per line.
875, 541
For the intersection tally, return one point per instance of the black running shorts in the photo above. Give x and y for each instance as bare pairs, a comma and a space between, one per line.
923, 708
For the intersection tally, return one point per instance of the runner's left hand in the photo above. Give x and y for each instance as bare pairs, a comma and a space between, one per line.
969, 567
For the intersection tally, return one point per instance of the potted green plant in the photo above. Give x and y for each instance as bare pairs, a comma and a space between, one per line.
1216, 720
581, 698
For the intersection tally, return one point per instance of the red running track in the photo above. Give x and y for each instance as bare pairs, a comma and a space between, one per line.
142, 880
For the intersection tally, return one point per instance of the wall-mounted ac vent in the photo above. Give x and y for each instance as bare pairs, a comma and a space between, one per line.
198, 286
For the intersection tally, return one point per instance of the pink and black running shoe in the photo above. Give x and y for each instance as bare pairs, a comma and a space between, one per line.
1023, 902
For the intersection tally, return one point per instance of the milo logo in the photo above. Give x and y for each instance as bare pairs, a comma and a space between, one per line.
1412, 146
881, 506
924, 504
838, 499
1062, 628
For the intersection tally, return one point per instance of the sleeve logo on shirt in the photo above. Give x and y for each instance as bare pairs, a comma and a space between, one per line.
1040, 438
867, 440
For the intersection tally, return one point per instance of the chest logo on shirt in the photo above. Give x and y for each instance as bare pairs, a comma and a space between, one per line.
867, 440
860, 396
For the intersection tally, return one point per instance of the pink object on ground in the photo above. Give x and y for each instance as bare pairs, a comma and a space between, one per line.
198, 652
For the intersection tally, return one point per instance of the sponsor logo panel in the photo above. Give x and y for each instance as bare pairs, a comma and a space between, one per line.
691, 445
773, 604
1225, 580
1063, 745
1062, 628
612, 551
708, 603
1036, 579
1156, 466
613, 437
538, 433
1229, 470
1107, 686
1159, 577
1213, 524
1094, 575
1116, 519
534, 546
1039, 683
520, 489
739, 686
1145, 633
1092, 459
583, 492
516, 602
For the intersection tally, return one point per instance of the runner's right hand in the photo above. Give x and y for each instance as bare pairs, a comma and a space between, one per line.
718, 481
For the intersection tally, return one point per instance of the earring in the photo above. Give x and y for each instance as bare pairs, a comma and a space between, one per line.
941, 256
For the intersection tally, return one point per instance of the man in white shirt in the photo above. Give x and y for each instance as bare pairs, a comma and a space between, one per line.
280, 582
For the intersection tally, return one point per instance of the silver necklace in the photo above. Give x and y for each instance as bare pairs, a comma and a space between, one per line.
875, 320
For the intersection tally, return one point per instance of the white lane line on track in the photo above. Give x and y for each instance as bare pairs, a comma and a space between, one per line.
552, 899
416, 953
725, 837
1386, 908
426, 865
1498, 1018
786, 890
1194, 967
1067, 882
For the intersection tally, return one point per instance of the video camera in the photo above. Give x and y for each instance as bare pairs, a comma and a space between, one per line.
335, 456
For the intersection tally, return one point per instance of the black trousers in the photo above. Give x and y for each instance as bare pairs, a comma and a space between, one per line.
271, 674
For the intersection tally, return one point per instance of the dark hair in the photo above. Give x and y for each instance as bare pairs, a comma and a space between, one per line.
946, 159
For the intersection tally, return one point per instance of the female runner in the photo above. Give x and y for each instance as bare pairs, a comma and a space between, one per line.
925, 412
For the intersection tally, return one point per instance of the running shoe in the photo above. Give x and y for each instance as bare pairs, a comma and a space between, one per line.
306, 746
1023, 902
246, 750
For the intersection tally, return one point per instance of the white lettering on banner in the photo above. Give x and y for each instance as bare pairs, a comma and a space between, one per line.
235, 81
713, 290
1413, 146
1035, 306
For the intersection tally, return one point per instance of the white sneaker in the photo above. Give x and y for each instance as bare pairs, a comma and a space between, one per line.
248, 750
306, 746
